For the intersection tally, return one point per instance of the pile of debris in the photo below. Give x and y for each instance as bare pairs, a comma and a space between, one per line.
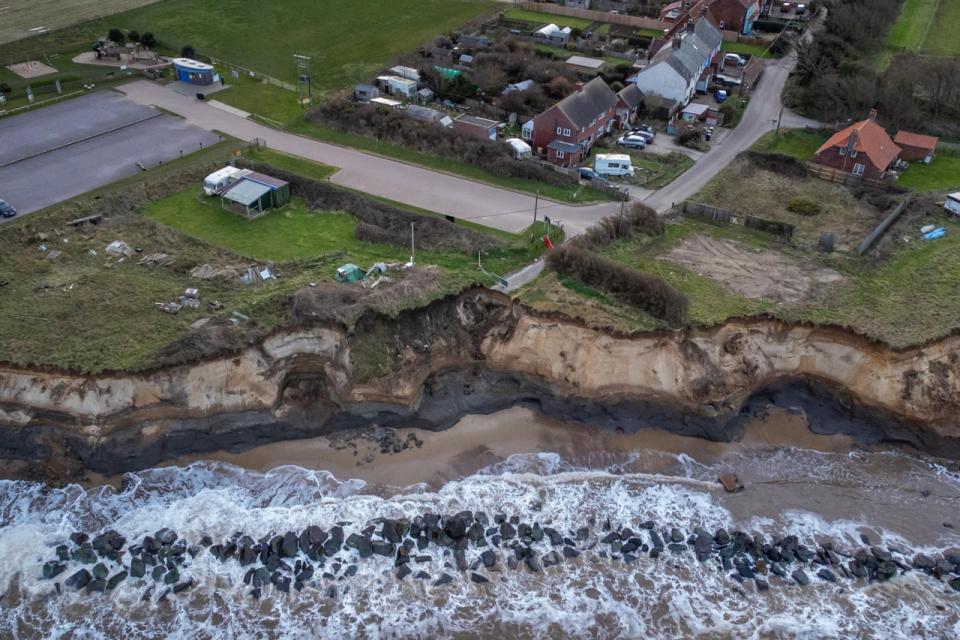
232, 273
157, 260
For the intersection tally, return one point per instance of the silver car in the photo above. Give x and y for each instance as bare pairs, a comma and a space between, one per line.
635, 142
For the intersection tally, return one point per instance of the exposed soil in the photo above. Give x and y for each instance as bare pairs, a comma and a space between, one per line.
754, 274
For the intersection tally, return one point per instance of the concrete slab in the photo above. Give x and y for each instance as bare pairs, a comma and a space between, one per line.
65, 172
225, 107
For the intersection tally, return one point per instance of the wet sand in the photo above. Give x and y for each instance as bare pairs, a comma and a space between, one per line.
479, 441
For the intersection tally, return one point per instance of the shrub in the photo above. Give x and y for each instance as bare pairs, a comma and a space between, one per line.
148, 40
640, 218
643, 291
133, 35
117, 36
395, 127
690, 138
188, 51
804, 207
778, 163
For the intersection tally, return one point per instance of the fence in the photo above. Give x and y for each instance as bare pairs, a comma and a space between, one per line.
597, 16
707, 212
842, 177
883, 226
718, 214
254, 74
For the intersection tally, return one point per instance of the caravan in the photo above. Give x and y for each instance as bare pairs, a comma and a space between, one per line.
613, 164
218, 180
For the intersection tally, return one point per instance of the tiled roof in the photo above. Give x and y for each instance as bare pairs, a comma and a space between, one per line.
871, 140
582, 107
909, 139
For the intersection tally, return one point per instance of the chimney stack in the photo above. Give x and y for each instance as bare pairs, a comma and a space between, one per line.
872, 115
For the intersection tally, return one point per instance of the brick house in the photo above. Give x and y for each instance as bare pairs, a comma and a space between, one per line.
566, 131
862, 149
915, 147
735, 15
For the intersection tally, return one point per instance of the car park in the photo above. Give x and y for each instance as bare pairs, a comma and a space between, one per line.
7, 210
635, 142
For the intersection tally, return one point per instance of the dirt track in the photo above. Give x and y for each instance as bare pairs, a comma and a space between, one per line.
754, 274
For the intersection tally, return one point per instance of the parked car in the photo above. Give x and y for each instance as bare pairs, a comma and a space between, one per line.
639, 133
586, 173
720, 95
635, 142
646, 129
7, 210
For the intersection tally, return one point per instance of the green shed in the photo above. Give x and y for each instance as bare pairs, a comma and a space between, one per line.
349, 273
257, 193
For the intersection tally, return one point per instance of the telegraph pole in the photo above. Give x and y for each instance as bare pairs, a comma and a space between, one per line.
536, 204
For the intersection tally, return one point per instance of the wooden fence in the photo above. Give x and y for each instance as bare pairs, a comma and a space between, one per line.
253, 74
842, 177
596, 16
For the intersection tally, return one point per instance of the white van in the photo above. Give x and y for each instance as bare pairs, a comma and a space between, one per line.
613, 164
220, 179
732, 58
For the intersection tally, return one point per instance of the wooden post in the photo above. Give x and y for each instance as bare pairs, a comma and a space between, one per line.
536, 205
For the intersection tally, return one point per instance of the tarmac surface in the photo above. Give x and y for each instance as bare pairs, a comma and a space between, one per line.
61, 151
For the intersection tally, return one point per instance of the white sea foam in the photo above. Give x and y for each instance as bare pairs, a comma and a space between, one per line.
592, 596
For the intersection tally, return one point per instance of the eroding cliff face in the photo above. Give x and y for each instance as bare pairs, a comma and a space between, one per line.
476, 352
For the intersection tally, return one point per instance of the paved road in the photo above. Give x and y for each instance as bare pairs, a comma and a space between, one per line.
759, 118
433, 190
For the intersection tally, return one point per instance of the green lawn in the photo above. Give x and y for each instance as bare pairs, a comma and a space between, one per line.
293, 164
293, 232
650, 33
943, 174
743, 47
546, 18
799, 143
911, 28
942, 38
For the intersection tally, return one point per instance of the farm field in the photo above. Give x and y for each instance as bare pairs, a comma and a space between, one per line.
927, 26
546, 18
347, 42
18, 18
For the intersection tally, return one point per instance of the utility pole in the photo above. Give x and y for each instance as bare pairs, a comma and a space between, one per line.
536, 204
413, 246
780, 118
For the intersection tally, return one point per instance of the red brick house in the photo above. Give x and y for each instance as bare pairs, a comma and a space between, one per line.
862, 149
566, 131
734, 15
915, 147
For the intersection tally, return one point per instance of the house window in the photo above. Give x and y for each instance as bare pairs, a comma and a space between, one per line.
858, 169
721, 24
562, 154
566, 132
559, 131
853, 153
843, 150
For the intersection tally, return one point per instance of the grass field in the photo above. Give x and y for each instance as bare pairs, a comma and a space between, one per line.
943, 174
18, 17
742, 47
348, 41
927, 26
802, 144
546, 18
